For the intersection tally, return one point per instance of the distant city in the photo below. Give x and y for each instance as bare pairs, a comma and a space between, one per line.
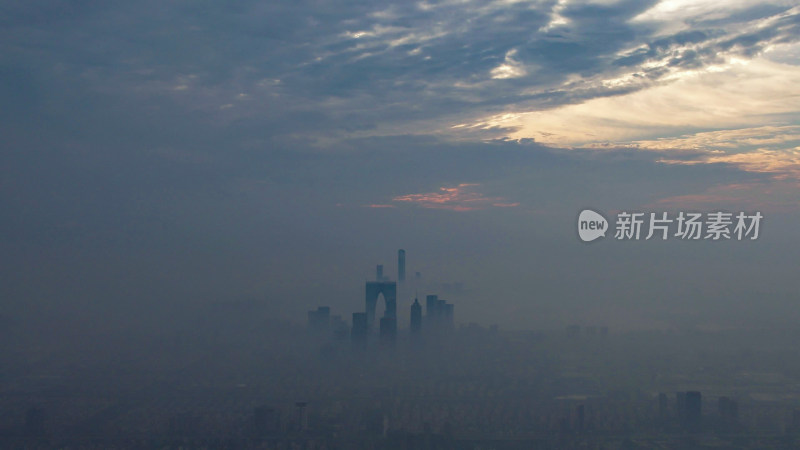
439, 314
230, 376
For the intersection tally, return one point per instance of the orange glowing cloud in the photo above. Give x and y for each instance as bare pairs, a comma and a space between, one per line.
462, 197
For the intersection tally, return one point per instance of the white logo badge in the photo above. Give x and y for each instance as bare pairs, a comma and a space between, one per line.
591, 225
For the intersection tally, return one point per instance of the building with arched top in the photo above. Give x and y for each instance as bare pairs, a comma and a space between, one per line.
375, 289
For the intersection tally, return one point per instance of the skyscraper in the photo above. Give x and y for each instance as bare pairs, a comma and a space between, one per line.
448, 316
401, 265
375, 289
430, 307
438, 314
694, 410
680, 406
416, 317
319, 320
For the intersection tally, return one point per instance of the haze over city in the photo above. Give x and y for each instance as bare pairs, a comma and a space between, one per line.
188, 172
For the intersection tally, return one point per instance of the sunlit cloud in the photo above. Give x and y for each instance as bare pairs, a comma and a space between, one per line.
556, 19
462, 197
677, 13
715, 97
510, 68
737, 94
784, 163
780, 136
781, 163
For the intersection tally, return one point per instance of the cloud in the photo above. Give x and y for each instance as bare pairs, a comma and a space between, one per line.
672, 13
741, 138
782, 164
737, 68
218, 138
320, 73
735, 94
456, 198
771, 196
510, 68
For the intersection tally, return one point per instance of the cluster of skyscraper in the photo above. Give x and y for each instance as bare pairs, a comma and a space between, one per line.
689, 411
439, 315
689, 407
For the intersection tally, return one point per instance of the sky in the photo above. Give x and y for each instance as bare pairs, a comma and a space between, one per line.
160, 156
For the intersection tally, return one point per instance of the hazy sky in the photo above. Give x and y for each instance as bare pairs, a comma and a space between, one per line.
160, 155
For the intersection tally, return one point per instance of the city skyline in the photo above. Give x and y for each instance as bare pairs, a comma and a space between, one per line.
159, 156
439, 314
436, 224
